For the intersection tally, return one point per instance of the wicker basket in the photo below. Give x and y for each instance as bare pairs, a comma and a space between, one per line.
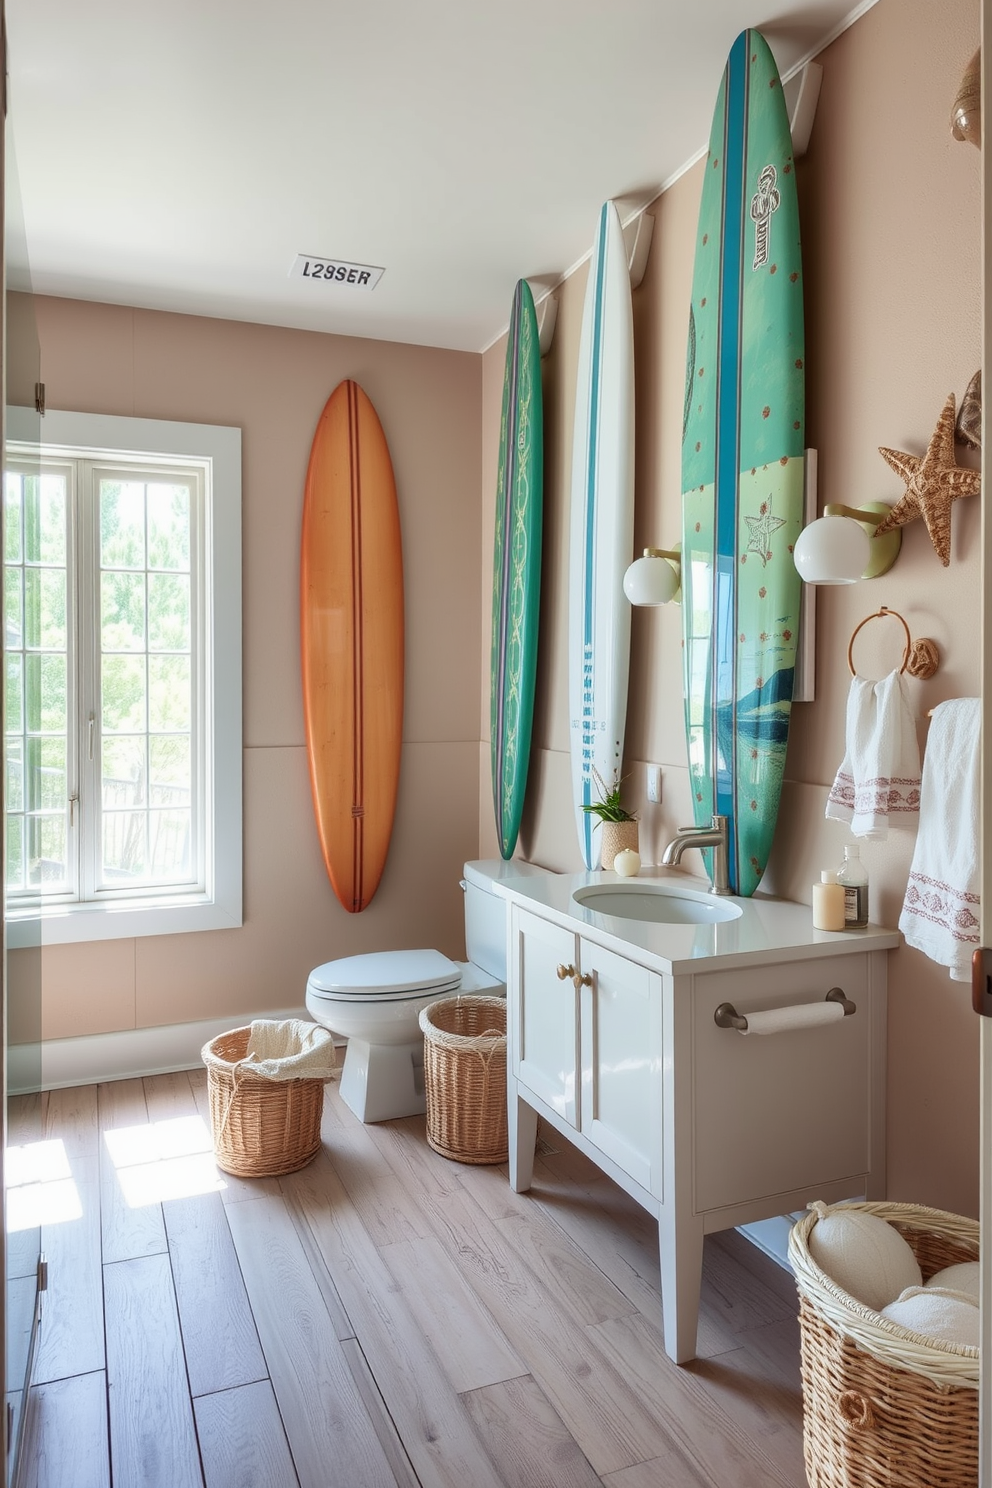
884, 1407
465, 1078
260, 1127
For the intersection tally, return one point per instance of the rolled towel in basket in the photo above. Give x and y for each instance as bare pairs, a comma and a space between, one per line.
291, 1049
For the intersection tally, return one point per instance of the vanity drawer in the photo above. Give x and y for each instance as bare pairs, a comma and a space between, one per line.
779, 1112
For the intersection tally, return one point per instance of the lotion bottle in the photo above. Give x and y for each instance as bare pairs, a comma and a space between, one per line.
828, 902
853, 876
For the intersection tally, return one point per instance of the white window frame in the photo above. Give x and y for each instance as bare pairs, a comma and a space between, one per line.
219, 905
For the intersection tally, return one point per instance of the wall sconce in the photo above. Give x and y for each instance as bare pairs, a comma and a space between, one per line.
655, 578
841, 547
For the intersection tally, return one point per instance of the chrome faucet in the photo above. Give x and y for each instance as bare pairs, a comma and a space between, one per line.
714, 836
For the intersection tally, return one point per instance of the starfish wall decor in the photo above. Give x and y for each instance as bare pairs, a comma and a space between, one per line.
933, 482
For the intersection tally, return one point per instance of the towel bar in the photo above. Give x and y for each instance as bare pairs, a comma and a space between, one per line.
727, 1016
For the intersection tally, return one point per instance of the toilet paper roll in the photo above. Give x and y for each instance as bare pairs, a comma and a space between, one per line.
784, 1020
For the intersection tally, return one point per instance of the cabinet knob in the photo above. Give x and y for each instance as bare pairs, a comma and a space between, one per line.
563, 972
580, 980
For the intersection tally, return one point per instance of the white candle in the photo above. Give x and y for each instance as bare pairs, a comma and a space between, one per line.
627, 863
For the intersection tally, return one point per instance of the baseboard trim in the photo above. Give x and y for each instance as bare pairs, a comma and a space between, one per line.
54, 1064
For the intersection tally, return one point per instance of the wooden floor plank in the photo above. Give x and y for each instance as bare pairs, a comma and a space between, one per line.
67, 1444
169, 1097
388, 1207
72, 1335
152, 1436
606, 1419
242, 1441
26, 1117
382, 1421
746, 1390
71, 1114
432, 1421
669, 1471
471, 1349
325, 1419
219, 1337
527, 1438
690, 1413
128, 1231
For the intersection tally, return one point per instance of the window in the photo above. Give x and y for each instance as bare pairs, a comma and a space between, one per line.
122, 597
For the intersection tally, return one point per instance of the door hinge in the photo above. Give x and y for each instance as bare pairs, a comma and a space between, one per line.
981, 982
39, 398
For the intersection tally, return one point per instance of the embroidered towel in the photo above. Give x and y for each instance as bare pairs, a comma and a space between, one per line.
940, 913
878, 783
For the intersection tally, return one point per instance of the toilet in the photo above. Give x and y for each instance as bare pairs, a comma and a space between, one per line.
375, 1000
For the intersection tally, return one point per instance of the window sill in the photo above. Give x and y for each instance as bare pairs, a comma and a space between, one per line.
67, 924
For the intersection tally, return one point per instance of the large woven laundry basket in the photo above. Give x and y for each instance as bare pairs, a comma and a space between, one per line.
884, 1407
260, 1127
465, 1078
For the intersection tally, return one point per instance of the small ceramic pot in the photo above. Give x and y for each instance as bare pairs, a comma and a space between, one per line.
616, 836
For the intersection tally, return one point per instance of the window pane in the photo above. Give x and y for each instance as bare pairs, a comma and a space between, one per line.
12, 517
15, 775
45, 694
51, 520
44, 608
168, 527
13, 616
15, 852
122, 695
123, 771
168, 612
122, 602
46, 849
13, 701
122, 524
169, 694
47, 788
124, 854
168, 833
169, 770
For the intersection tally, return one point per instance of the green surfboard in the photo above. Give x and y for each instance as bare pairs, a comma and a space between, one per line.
742, 463
516, 568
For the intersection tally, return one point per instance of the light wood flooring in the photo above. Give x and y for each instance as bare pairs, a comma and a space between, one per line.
384, 1317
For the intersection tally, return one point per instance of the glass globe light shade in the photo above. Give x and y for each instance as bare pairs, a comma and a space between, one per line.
650, 581
832, 550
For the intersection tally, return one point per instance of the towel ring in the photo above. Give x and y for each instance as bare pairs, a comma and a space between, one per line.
920, 658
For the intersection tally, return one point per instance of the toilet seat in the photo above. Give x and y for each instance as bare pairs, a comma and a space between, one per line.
385, 976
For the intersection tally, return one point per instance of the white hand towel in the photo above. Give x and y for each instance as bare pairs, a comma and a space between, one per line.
878, 783
941, 911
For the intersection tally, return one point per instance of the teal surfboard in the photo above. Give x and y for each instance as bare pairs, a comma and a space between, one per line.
742, 463
516, 568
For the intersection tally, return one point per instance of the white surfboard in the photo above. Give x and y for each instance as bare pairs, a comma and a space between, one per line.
602, 527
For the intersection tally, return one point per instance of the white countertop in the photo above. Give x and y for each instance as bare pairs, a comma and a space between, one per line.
768, 930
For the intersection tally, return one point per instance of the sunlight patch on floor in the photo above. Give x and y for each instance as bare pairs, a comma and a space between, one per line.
40, 1189
164, 1160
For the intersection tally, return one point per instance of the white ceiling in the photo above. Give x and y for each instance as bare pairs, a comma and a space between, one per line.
179, 154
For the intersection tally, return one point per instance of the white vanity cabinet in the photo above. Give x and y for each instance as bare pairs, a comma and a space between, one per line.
616, 1046
587, 1043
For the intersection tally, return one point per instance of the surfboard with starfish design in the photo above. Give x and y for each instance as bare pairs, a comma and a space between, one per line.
742, 463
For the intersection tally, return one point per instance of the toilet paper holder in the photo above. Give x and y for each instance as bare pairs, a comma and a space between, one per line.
727, 1016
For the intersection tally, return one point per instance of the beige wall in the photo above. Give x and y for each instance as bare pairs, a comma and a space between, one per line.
890, 221
272, 384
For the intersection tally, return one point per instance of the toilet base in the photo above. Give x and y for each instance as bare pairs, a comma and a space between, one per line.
381, 1082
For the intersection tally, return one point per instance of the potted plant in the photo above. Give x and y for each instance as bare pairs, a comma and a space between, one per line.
619, 824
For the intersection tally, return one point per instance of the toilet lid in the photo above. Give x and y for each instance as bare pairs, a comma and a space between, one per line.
387, 974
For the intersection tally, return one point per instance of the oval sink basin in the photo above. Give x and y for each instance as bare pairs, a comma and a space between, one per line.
662, 904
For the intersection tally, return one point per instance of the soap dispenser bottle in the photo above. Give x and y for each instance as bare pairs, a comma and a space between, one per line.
853, 876
828, 902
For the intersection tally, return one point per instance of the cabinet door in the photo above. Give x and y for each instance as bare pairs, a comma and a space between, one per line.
545, 1009
621, 1023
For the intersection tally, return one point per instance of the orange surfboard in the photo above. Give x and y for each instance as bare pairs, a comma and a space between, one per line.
351, 627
